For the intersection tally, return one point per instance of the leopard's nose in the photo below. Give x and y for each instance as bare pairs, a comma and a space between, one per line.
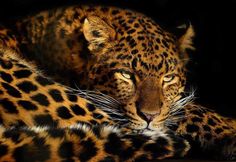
149, 117
148, 112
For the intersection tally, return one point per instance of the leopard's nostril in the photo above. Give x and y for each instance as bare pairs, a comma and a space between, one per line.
150, 117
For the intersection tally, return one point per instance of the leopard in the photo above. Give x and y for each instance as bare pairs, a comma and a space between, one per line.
127, 56
118, 52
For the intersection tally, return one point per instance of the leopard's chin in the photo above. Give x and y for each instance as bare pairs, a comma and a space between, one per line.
149, 127
156, 125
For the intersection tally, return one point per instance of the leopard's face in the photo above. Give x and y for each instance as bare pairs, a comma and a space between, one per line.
147, 97
143, 69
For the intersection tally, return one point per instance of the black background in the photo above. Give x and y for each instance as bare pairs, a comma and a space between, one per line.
212, 65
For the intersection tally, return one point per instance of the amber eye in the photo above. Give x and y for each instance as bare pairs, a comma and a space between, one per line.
169, 78
126, 75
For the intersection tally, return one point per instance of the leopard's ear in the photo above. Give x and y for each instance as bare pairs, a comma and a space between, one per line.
186, 40
98, 33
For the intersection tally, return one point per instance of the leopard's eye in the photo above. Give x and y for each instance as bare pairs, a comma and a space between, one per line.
169, 78
126, 75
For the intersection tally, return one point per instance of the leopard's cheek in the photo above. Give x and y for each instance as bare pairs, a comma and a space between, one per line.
121, 87
123, 90
172, 92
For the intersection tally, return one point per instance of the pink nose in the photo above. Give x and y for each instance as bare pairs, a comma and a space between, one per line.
150, 117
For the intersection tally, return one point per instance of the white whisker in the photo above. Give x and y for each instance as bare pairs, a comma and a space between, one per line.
177, 112
102, 101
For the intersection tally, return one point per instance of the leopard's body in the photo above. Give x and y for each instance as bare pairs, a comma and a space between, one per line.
130, 58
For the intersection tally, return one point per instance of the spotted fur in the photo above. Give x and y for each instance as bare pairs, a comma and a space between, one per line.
124, 55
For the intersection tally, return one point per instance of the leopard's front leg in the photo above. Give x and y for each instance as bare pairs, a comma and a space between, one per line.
208, 132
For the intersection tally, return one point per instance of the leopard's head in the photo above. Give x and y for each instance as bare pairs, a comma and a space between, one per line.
138, 64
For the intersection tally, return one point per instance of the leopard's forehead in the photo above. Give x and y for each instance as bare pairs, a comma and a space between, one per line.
143, 46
